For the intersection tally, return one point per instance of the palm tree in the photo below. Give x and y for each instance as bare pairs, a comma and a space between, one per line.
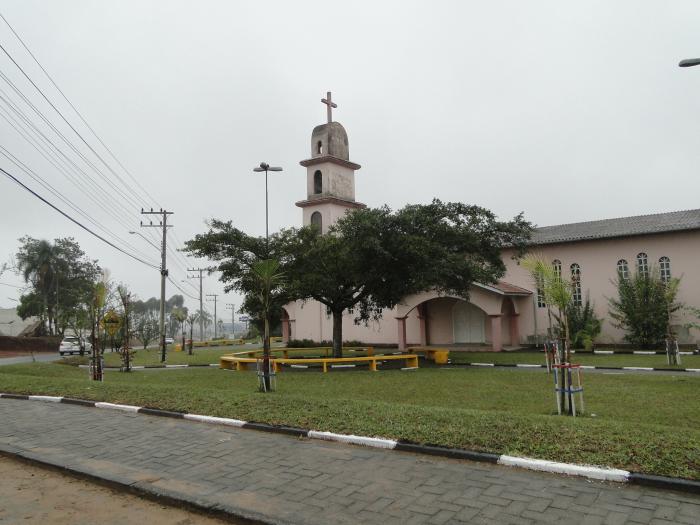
180, 316
557, 292
268, 277
191, 319
205, 317
37, 261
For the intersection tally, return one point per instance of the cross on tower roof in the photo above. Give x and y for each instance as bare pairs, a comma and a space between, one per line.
330, 104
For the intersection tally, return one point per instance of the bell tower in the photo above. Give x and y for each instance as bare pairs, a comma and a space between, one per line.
330, 175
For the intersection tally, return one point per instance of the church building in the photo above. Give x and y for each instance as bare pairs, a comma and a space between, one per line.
508, 314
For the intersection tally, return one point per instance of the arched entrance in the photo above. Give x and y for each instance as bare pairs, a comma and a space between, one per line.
468, 323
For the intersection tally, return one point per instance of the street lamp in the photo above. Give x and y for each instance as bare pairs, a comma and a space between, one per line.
145, 239
689, 62
264, 166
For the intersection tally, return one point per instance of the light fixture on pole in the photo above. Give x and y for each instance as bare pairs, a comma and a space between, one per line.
689, 62
264, 166
145, 239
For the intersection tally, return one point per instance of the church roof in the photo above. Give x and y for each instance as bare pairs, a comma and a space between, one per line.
621, 227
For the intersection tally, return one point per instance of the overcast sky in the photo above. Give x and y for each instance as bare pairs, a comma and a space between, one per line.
568, 111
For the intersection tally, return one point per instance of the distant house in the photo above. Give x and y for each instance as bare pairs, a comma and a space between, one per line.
13, 325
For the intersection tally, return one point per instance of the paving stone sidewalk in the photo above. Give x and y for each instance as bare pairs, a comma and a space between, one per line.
281, 479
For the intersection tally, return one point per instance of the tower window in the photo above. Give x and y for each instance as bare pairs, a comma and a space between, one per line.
319, 147
623, 269
318, 182
317, 220
643, 264
665, 269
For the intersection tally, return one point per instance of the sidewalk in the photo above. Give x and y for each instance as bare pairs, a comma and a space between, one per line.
280, 479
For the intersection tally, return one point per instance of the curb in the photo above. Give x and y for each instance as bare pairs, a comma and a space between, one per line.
155, 367
571, 469
585, 367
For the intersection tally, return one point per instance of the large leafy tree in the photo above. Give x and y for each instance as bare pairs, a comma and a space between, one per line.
370, 259
61, 279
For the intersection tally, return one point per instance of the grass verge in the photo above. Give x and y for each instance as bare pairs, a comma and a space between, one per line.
647, 424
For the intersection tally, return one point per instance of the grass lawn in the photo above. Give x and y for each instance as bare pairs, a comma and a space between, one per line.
653, 361
151, 356
647, 423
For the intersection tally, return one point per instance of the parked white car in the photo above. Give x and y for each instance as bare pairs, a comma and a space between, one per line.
169, 340
71, 345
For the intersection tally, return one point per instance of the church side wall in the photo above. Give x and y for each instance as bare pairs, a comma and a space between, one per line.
598, 261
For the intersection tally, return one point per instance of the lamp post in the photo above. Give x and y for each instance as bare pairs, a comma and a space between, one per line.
265, 385
264, 166
145, 239
689, 62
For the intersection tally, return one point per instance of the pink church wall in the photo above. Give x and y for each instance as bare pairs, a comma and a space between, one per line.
598, 262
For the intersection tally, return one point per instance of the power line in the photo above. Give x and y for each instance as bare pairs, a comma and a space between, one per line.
9, 175
41, 181
90, 187
63, 137
174, 283
136, 195
76, 110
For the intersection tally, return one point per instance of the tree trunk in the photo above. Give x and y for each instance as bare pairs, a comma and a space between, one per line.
338, 333
266, 355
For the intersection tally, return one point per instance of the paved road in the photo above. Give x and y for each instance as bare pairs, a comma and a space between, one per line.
42, 358
282, 479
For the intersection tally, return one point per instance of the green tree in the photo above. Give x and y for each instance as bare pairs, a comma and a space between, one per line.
372, 258
269, 278
146, 327
61, 279
369, 260
644, 307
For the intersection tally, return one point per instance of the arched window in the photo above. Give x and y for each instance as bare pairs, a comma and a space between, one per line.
665, 269
319, 147
556, 264
643, 264
576, 284
318, 182
623, 269
317, 220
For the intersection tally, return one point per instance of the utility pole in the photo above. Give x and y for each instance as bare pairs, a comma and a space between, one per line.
201, 301
163, 223
214, 295
232, 307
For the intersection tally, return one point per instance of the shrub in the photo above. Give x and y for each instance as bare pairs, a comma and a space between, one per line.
644, 307
584, 325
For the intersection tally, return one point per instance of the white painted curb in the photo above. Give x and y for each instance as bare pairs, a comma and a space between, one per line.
49, 399
528, 366
355, 440
113, 406
482, 364
636, 368
215, 420
604, 474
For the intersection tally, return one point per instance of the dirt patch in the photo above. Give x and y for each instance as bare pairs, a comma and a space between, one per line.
33, 495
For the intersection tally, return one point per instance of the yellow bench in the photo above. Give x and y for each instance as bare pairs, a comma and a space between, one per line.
241, 363
439, 355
